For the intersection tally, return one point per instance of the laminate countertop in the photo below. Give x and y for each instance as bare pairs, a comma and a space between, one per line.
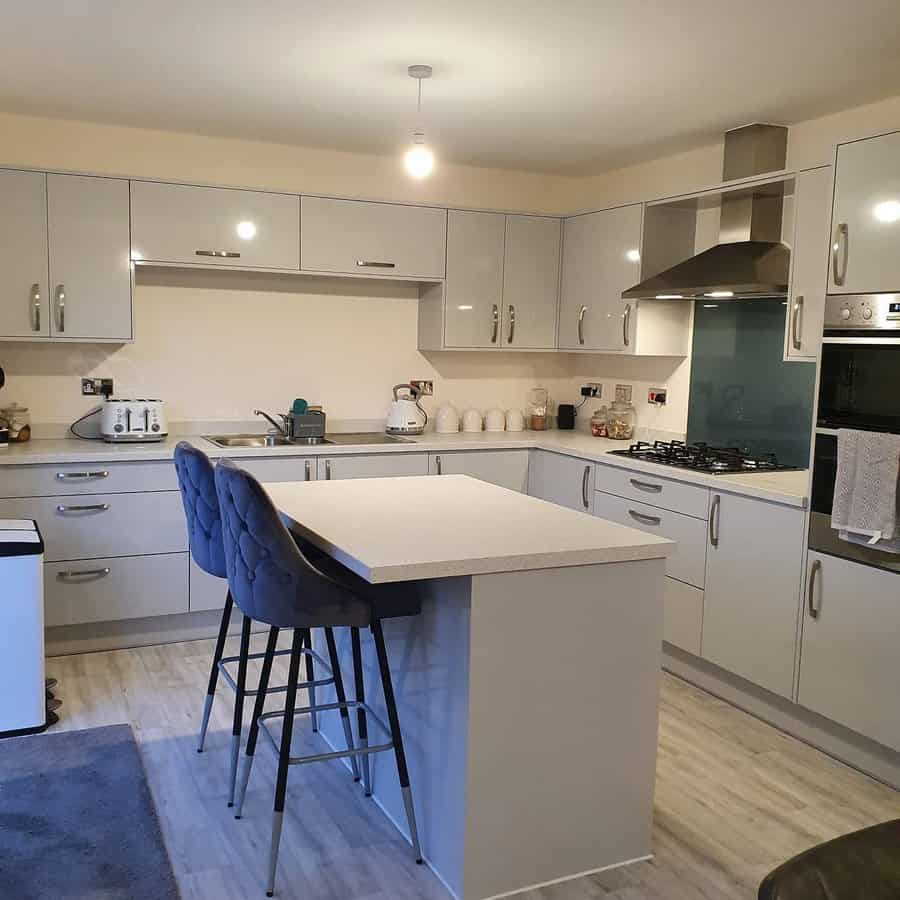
457, 526
789, 488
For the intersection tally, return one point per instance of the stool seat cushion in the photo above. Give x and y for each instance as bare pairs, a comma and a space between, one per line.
864, 864
196, 480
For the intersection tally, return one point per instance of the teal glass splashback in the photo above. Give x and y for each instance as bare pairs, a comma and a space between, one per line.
742, 392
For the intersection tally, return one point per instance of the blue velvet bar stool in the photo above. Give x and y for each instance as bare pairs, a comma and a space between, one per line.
196, 480
274, 582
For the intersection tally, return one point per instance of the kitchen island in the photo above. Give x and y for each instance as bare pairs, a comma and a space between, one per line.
527, 689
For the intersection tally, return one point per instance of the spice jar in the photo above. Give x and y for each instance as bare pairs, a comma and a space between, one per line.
620, 420
598, 422
19, 421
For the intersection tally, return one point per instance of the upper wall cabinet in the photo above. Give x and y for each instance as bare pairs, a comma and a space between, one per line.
352, 237
204, 226
865, 224
502, 285
809, 261
64, 263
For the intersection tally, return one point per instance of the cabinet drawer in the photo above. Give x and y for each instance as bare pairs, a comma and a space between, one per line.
350, 236
182, 223
103, 590
100, 525
682, 615
87, 478
688, 561
291, 468
688, 499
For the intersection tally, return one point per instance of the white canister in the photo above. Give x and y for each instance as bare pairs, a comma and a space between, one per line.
446, 421
515, 420
494, 420
471, 421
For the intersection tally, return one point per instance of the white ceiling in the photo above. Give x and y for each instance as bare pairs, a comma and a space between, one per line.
558, 85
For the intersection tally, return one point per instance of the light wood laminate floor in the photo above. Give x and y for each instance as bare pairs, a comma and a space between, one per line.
734, 797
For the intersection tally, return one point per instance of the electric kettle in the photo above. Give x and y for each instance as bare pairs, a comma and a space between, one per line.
406, 415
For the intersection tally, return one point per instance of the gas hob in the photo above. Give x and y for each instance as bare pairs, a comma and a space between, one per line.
701, 457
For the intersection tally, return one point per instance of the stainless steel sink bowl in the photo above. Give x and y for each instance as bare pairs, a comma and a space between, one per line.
260, 440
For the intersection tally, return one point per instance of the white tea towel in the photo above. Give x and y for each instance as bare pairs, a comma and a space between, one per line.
864, 509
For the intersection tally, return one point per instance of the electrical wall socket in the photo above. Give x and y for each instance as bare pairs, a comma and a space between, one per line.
96, 387
657, 396
592, 389
623, 393
425, 388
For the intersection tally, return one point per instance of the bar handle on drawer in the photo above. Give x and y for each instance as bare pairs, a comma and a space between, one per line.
811, 589
375, 264
439, 465
222, 254
714, 511
644, 518
328, 470
75, 476
82, 573
308, 470
92, 507
584, 487
646, 486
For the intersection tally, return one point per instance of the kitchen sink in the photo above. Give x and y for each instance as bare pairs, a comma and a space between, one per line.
261, 440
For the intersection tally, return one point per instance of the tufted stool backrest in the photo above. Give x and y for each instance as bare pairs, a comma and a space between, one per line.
196, 479
268, 575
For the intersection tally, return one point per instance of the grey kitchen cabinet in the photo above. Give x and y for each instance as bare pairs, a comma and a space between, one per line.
205, 591
285, 468
751, 603
64, 253
865, 222
600, 259
530, 282
473, 292
809, 263
849, 666
217, 227
506, 468
565, 480
353, 237
90, 268
24, 307
372, 465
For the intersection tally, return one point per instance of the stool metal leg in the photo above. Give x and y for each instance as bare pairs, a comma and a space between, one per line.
396, 736
341, 696
284, 754
214, 671
311, 676
257, 712
239, 706
361, 724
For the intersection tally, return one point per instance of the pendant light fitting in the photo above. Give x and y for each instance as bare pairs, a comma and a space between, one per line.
418, 159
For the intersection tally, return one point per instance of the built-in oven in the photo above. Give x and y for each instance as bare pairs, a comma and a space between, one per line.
859, 387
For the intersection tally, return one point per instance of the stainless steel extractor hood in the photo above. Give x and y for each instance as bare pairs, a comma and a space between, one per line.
749, 261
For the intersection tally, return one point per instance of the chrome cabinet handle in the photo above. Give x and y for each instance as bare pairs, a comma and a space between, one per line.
811, 589
222, 254
796, 320
308, 470
714, 513
93, 507
438, 465
69, 574
76, 476
495, 322
626, 323
376, 264
839, 274
512, 324
328, 470
581, 313
35, 307
584, 487
643, 517
646, 486
60, 308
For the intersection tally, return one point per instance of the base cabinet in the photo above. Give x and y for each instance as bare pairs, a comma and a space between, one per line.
506, 468
753, 574
560, 479
849, 662
683, 616
376, 465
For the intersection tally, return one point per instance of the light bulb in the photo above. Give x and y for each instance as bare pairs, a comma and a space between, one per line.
419, 160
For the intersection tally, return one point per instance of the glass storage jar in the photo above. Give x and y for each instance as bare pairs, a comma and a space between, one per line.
620, 420
18, 419
598, 422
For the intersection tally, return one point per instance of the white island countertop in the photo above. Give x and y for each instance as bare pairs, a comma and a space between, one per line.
429, 527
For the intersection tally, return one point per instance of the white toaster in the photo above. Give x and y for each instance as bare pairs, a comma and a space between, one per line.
133, 420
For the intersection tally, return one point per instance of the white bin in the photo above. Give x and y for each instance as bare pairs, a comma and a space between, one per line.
23, 705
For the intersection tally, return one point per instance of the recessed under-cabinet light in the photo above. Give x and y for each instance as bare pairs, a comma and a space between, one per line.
246, 230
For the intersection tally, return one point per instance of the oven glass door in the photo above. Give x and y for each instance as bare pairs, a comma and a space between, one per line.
860, 387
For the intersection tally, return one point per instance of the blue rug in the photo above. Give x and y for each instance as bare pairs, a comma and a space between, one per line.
77, 820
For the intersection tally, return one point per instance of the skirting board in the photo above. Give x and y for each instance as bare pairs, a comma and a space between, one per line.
848, 747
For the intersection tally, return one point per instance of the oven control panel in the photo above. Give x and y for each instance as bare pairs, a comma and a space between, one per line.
871, 312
